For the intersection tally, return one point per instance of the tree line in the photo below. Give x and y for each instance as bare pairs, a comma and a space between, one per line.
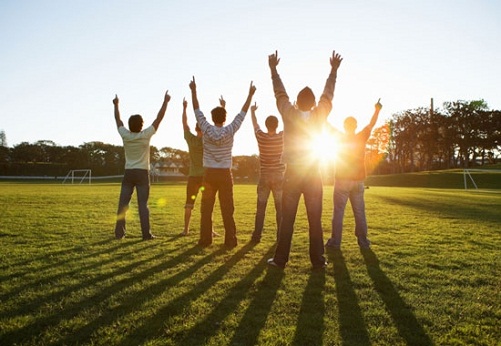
460, 134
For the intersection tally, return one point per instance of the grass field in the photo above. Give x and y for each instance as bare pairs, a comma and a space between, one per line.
432, 277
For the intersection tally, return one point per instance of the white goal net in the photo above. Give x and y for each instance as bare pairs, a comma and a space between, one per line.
79, 176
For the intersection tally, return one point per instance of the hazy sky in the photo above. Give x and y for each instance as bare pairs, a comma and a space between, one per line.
63, 61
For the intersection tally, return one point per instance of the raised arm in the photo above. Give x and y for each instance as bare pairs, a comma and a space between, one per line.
117, 112
194, 99
282, 99
252, 90
253, 116
161, 112
325, 102
377, 107
185, 117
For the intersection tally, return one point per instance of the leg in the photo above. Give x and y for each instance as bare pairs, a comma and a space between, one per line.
208, 199
227, 208
192, 188
187, 218
290, 201
263, 192
123, 205
143, 194
341, 195
276, 189
358, 206
313, 196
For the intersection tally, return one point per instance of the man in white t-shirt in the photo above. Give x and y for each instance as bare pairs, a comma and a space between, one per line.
137, 163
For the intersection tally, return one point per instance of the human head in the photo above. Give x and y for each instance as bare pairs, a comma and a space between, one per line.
305, 99
271, 123
218, 115
350, 124
136, 123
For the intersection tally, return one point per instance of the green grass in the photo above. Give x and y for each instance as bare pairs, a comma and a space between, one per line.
432, 277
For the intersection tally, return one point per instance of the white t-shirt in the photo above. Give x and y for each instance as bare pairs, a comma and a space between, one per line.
137, 147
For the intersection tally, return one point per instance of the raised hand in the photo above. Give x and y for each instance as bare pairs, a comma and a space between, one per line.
335, 60
167, 96
115, 100
222, 102
378, 105
252, 89
185, 103
254, 107
193, 84
273, 60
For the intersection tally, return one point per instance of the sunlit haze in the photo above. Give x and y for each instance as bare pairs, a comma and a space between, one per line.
63, 61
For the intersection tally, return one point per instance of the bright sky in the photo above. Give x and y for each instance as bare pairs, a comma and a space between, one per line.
62, 62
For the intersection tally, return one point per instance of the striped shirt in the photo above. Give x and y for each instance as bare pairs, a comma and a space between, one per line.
271, 147
218, 141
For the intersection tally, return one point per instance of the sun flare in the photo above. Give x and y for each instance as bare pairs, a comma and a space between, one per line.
324, 147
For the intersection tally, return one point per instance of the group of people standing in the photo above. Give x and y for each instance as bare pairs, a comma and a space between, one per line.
287, 168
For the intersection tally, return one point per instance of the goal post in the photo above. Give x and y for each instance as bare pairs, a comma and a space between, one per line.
78, 175
481, 178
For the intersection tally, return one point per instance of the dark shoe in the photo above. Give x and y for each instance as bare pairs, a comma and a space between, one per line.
320, 267
149, 237
271, 262
255, 240
331, 246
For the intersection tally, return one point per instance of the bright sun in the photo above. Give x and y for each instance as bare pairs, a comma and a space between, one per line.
324, 147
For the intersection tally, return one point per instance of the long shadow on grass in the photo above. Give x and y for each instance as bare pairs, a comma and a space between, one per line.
154, 326
408, 326
310, 326
352, 326
134, 303
457, 210
43, 279
73, 309
256, 314
33, 302
42, 256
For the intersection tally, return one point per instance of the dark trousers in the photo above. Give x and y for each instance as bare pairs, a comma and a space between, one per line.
270, 182
139, 179
217, 181
307, 182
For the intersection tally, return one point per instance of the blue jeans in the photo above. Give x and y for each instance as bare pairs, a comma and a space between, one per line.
217, 181
352, 190
307, 182
271, 182
139, 179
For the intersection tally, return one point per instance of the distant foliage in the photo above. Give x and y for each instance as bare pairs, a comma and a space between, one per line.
460, 134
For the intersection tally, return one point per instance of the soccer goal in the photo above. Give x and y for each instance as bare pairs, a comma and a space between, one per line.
481, 178
78, 175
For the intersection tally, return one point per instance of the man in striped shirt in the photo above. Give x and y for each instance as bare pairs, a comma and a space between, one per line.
271, 171
217, 161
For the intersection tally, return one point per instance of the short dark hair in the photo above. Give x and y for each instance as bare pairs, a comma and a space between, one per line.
305, 99
136, 123
271, 123
218, 115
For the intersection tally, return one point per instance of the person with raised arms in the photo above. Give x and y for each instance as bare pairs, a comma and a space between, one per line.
350, 175
217, 162
136, 142
303, 122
